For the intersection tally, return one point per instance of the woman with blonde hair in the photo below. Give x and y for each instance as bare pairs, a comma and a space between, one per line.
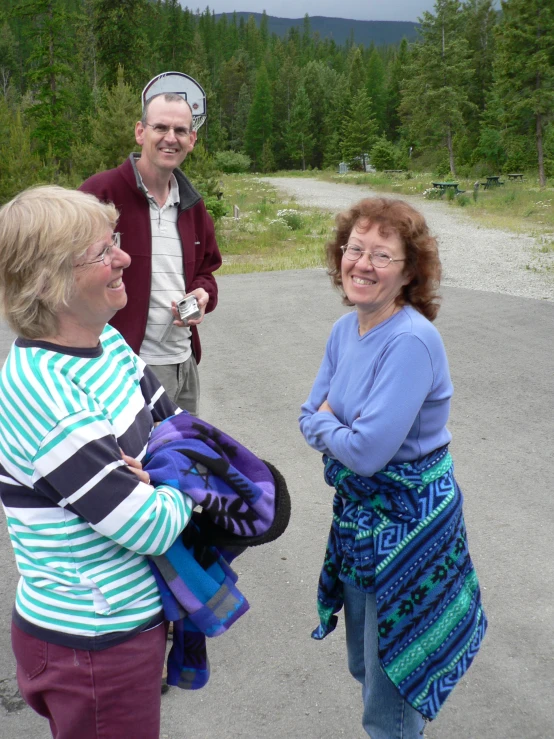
397, 556
77, 407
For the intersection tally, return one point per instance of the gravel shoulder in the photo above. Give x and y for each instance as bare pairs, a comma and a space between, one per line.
473, 257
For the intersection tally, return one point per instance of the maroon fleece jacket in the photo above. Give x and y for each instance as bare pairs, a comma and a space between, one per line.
201, 256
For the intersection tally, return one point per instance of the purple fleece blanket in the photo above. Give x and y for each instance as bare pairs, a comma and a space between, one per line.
244, 502
234, 487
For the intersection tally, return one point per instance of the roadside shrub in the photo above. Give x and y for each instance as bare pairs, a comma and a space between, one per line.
383, 155
463, 170
292, 218
267, 161
215, 207
432, 193
279, 229
491, 149
232, 162
442, 168
521, 156
201, 170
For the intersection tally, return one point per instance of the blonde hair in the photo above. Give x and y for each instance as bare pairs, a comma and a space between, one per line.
43, 230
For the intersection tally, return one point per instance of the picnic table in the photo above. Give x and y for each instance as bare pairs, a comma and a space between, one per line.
394, 171
515, 176
492, 181
444, 186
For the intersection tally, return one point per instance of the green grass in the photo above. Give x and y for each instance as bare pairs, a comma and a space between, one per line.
270, 233
276, 234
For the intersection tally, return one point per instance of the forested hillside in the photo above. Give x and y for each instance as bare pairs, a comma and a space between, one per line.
341, 30
474, 94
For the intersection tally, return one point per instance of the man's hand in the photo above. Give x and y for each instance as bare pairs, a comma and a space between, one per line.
202, 298
325, 407
136, 467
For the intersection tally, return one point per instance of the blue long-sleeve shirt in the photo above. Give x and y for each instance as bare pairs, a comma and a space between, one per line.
389, 389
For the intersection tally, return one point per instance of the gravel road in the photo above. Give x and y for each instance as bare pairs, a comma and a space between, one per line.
473, 257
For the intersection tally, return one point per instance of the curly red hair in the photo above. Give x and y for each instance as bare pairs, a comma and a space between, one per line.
422, 255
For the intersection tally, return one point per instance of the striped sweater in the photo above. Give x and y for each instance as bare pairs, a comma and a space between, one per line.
80, 522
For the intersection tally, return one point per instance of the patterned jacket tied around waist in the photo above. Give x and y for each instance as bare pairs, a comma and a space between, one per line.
401, 534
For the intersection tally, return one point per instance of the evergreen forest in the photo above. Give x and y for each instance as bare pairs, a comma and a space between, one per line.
474, 94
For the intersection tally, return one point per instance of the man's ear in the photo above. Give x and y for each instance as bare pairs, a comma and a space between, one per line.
139, 132
192, 140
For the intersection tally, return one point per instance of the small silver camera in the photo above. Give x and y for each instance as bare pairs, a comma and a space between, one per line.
188, 308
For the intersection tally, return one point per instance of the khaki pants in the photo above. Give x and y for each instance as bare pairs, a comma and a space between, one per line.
181, 383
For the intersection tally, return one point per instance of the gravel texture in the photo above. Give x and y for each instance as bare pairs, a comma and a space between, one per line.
472, 256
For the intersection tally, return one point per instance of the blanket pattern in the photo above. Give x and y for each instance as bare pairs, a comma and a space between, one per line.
430, 618
244, 502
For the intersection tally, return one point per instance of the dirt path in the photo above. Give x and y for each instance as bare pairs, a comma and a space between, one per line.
473, 257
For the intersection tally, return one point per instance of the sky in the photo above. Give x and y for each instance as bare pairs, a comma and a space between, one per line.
363, 10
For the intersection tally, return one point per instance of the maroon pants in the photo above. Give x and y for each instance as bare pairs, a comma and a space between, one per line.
108, 694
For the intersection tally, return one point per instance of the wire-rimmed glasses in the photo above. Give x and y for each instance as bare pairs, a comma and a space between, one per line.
378, 259
162, 130
106, 255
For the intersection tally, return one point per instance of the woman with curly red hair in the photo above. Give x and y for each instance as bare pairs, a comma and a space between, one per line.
397, 556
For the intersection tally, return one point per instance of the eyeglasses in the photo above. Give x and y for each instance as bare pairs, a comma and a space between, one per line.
106, 254
162, 130
377, 258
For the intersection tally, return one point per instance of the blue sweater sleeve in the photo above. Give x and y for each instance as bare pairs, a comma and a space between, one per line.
403, 380
318, 394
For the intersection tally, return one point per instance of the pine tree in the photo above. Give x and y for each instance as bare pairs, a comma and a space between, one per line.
491, 143
299, 137
307, 43
338, 102
435, 96
234, 74
50, 73
479, 22
259, 128
376, 86
264, 30
359, 131
284, 93
112, 129
171, 47
119, 26
252, 41
20, 166
356, 70
524, 69
267, 160
8, 57
397, 71
240, 120
318, 79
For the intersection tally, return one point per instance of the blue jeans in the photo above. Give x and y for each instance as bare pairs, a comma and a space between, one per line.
386, 714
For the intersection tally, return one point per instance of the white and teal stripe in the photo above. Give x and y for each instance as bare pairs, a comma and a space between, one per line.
80, 522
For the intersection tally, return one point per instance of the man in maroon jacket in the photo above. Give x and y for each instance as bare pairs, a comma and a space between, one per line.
169, 234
